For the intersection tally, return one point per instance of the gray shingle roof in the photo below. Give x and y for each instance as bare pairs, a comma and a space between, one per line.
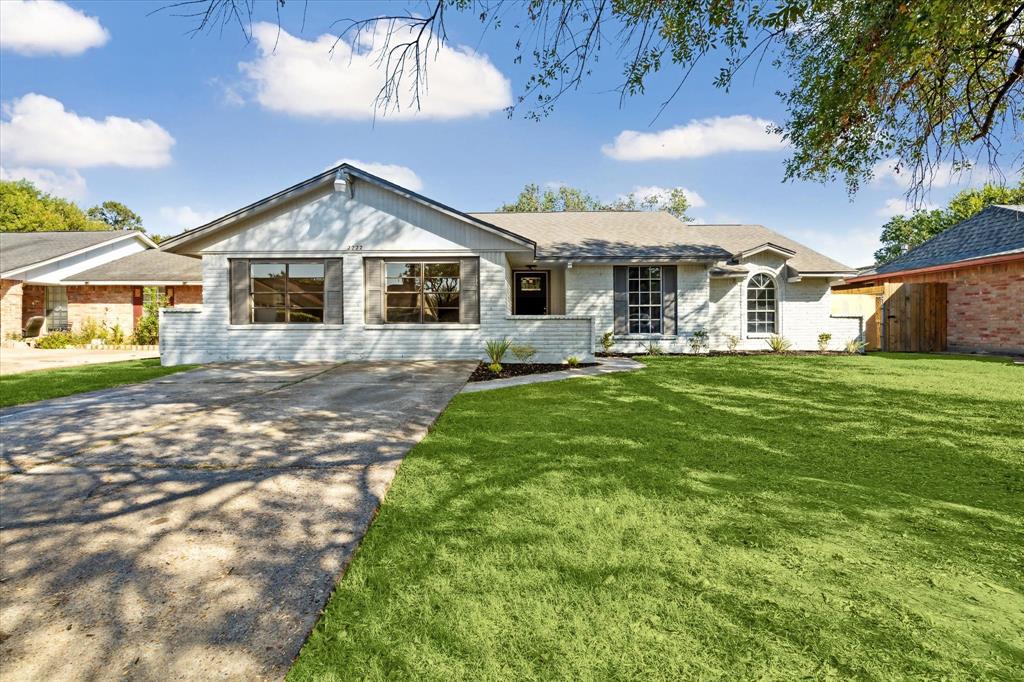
150, 265
995, 231
648, 234
603, 234
21, 249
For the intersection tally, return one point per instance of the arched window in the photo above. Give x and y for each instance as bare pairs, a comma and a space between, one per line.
761, 304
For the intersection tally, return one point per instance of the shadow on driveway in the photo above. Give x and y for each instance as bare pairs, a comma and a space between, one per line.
194, 526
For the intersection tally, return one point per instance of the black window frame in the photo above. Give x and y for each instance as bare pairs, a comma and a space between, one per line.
421, 291
642, 300
287, 293
764, 305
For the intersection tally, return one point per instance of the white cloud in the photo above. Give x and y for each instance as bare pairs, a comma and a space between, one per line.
697, 138
854, 247
305, 78
68, 184
47, 27
664, 193
174, 219
888, 172
400, 175
40, 132
900, 205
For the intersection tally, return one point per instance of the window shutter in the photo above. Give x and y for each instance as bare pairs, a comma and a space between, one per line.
239, 291
372, 298
668, 299
334, 305
620, 286
469, 290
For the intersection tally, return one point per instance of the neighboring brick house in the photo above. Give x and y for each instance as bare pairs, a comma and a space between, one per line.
346, 265
977, 268
70, 277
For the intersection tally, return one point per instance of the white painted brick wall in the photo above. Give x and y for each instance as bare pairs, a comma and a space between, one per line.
717, 305
207, 336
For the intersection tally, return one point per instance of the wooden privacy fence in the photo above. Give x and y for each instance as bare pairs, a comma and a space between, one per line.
906, 317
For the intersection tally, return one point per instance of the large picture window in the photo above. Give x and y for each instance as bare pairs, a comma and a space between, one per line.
421, 292
287, 292
645, 300
761, 307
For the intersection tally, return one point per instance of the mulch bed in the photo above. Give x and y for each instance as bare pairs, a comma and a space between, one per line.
521, 369
716, 353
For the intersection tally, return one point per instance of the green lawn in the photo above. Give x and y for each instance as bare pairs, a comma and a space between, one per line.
704, 518
28, 387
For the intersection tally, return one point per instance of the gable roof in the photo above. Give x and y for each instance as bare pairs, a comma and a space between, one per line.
149, 266
994, 231
653, 234
743, 239
327, 177
22, 250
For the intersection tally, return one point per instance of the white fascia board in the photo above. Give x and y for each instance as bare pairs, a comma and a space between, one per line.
131, 283
767, 246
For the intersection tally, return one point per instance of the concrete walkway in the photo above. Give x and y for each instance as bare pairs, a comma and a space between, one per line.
14, 360
604, 366
192, 527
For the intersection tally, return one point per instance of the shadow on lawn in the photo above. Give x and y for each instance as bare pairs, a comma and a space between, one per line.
776, 516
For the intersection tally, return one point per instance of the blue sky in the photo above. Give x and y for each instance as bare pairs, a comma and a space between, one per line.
204, 125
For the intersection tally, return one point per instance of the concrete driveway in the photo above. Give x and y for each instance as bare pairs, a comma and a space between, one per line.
192, 527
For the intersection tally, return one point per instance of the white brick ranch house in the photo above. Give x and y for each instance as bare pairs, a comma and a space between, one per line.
346, 265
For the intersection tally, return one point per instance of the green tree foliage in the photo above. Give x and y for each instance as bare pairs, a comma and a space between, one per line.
904, 232
116, 215
564, 198
24, 208
919, 81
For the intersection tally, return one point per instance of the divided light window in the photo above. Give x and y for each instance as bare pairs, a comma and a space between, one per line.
645, 300
761, 305
287, 292
421, 292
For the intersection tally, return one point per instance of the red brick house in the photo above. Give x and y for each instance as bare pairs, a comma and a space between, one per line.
70, 277
962, 290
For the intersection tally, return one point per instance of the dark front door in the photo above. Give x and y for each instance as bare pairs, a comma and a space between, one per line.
531, 293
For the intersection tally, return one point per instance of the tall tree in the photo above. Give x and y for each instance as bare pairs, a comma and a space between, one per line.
24, 208
904, 232
564, 198
929, 83
116, 215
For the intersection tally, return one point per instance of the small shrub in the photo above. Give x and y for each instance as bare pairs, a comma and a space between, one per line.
823, 340
495, 367
778, 344
699, 341
523, 352
89, 330
147, 329
55, 340
496, 349
572, 361
117, 335
731, 342
608, 341
854, 346
653, 348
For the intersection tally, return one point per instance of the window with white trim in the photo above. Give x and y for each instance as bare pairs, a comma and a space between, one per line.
644, 287
761, 304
